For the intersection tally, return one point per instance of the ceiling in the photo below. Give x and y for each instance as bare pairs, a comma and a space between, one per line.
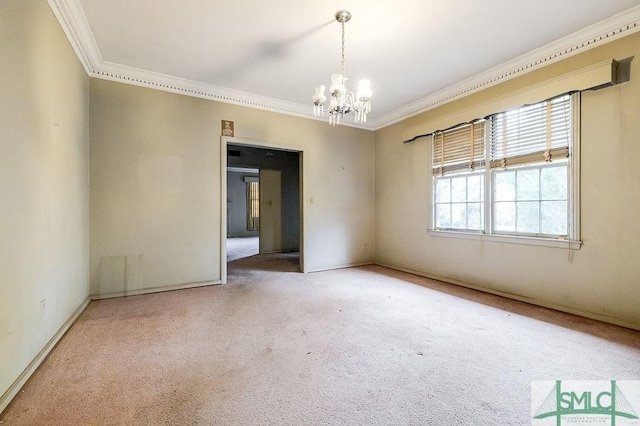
271, 54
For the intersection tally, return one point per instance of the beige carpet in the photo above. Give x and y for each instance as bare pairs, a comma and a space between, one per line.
359, 346
239, 247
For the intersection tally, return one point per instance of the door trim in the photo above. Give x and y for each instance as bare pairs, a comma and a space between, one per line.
226, 140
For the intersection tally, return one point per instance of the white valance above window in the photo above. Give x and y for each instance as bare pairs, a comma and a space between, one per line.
591, 77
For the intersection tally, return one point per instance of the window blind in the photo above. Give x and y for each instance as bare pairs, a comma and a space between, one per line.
460, 148
531, 134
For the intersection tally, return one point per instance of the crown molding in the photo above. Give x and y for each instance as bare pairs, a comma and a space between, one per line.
167, 83
620, 25
74, 23
144, 78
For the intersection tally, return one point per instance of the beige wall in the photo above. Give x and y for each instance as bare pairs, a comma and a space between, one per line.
44, 184
155, 186
603, 278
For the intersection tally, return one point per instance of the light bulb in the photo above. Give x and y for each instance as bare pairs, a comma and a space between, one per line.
364, 90
319, 97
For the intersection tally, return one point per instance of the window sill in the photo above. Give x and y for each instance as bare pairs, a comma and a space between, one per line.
509, 239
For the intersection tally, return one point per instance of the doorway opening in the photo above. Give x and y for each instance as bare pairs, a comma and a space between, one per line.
263, 193
243, 212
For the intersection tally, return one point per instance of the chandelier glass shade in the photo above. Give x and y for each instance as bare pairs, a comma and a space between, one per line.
343, 101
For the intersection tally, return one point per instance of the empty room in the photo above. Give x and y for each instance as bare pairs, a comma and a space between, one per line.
320, 213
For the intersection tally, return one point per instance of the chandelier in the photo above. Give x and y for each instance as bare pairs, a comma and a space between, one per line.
343, 101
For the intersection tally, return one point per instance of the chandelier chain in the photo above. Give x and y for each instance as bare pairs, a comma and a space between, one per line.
343, 73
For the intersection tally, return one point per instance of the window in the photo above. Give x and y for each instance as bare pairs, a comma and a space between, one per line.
510, 173
531, 201
458, 167
253, 204
459, 202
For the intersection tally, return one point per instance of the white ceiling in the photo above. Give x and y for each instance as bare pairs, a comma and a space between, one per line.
271, 54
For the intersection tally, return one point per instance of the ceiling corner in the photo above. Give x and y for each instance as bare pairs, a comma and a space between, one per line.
76, 27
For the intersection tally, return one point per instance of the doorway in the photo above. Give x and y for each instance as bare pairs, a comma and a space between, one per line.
243, 212
280, 179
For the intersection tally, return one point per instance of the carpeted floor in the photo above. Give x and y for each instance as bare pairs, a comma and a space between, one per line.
358, 346
240, 247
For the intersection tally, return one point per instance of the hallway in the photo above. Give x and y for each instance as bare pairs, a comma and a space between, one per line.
237, 248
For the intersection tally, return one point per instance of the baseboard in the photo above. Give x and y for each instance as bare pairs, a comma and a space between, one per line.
348, 265
533, 301
154, 290
294, 250
26, 374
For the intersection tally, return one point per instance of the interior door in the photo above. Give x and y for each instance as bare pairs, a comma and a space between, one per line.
270, 211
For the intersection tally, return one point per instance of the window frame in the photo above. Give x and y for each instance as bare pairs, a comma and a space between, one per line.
525, 167
458, 175
253, 204
572, 239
